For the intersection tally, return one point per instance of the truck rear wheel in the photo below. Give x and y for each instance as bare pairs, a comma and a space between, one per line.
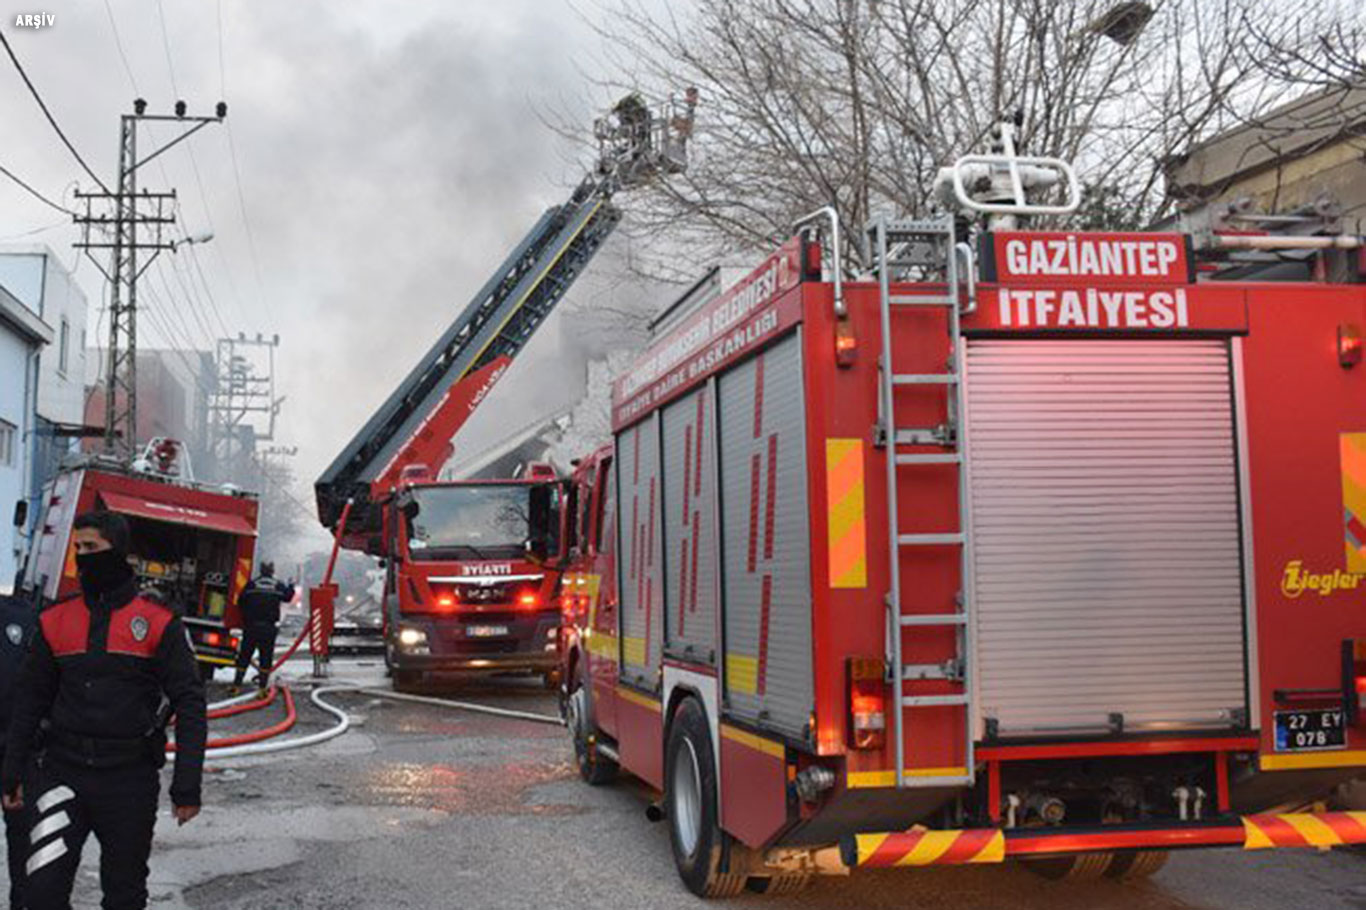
595, 768
1138, 864
699, 847
1079, 867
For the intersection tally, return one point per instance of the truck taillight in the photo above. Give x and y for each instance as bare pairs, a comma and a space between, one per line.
1354, 679
867, 703
213, 639
1349, 345
846, 344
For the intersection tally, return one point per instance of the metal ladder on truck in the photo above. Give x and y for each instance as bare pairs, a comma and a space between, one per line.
422, 415
928, 244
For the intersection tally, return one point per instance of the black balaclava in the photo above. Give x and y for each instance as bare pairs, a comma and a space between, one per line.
102, 572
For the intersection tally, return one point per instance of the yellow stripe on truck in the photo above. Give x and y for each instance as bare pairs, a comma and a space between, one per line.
848, 533
1344, 759
758, 743
742, 673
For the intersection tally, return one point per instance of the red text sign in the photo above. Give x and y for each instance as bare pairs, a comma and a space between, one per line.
718, 334
1207, 308
1101, 260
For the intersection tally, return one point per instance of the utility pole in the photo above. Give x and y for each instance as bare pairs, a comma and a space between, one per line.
244, 386
130, 210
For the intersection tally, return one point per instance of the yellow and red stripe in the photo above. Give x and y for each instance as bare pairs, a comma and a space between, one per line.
931, 848
1304, 829
1353, 453
847, 526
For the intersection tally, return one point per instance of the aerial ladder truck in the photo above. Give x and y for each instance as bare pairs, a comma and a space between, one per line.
470, 566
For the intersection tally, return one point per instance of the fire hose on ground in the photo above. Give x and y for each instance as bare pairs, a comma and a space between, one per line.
263, 741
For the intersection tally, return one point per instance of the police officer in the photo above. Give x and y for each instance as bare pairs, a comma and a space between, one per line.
16, 622
102, 665
260, 604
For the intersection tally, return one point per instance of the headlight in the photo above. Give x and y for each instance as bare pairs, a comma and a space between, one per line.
412, 638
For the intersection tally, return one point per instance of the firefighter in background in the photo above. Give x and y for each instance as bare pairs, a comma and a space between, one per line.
101, 666
16, 619
260, 605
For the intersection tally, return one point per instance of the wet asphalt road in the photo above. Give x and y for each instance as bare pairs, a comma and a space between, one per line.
423, 807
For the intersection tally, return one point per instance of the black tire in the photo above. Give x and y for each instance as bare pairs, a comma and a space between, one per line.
594, 767
1137, 864
690, 799
1078, 867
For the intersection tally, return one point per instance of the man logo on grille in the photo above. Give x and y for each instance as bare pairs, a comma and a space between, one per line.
139, 628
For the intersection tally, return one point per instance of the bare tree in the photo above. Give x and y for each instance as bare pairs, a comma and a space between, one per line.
858, 102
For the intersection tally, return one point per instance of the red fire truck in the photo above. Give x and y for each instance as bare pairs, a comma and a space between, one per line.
193, 544
473, 565
1064, 567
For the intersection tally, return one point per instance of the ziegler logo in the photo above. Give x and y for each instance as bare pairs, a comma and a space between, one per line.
1295, 580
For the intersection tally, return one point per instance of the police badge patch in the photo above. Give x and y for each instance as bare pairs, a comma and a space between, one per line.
139, 627
15, 633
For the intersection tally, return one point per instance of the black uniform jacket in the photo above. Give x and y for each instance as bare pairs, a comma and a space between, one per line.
98, 673
260, 601
16, 628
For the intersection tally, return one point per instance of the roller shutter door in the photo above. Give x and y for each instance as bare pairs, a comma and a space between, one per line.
766, 543
1105, 534
639, 565
690, 527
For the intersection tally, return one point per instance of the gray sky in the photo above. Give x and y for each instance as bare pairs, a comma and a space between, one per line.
390, 154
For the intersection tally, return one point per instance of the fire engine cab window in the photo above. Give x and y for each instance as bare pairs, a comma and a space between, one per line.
478, 521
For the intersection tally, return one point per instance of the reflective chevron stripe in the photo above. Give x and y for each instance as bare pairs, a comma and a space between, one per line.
931, 848
1304, 829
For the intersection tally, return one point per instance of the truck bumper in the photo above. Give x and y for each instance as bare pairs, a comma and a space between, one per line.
994, 845
529, 642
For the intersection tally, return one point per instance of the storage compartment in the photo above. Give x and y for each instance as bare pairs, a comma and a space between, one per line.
1105, 535
766, 548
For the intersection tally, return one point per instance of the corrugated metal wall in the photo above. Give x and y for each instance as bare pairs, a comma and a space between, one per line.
766, 541
640, 562
1108, 564
691, 584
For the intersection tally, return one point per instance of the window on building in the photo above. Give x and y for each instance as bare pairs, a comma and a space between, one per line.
7, 434
62, 356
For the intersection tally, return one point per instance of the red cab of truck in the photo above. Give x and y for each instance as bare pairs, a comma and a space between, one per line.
472, 571
1066, 567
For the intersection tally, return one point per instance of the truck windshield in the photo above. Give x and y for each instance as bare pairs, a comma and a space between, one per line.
469, 522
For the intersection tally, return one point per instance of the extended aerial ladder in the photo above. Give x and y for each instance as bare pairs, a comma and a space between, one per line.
416, 423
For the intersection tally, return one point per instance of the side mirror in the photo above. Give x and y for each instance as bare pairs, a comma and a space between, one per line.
20, 513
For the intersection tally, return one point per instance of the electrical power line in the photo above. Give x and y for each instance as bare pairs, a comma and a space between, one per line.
118, 43
236, 169
34, 193
208, 291
48, 114
166, 46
